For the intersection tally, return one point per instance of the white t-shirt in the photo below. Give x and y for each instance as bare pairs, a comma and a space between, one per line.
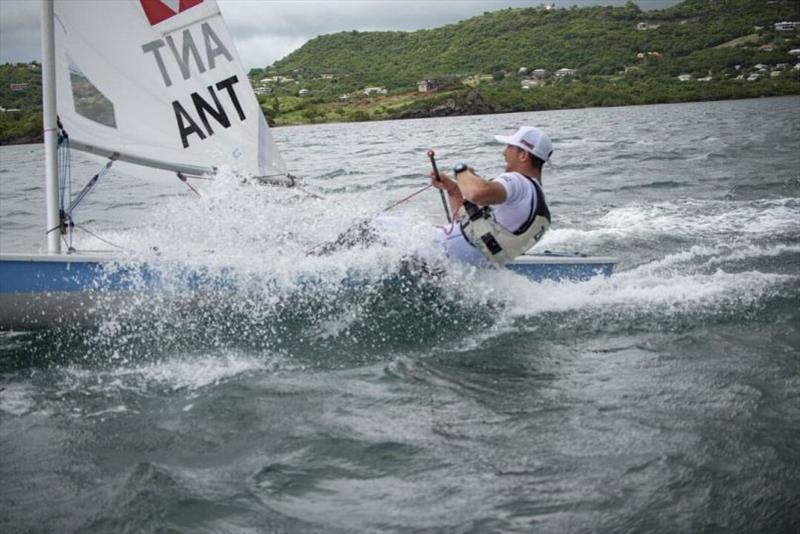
511, 214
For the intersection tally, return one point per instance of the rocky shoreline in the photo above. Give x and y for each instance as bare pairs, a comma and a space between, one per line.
472, 104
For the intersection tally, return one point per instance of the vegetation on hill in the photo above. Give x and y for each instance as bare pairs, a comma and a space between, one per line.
508, 60
20, 103
619, 55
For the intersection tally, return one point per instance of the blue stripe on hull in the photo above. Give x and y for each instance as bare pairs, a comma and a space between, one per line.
37, 277
67, 277
43, 291
553, 271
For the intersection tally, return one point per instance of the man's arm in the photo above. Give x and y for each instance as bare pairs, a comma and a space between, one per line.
469, 186
480, 191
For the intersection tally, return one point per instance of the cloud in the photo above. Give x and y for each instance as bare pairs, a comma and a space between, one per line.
19, 31
267, 30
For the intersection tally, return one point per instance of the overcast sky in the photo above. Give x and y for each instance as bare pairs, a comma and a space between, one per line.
267, 30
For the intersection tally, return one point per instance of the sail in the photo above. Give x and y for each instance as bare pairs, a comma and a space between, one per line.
160, 83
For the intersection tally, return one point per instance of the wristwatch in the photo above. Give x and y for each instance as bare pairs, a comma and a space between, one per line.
461, 167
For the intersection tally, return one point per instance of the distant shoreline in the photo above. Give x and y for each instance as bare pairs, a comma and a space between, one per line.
445, 111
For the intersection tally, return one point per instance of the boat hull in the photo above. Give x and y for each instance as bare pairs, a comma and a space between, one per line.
44, 290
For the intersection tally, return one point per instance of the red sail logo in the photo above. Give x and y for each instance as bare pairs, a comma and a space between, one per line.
160, 10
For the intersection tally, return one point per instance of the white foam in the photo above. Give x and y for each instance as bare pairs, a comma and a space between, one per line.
644, 290
260, 236
685, 218
190, 373
17, 398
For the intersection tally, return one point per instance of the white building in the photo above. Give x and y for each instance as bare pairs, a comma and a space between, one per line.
644, 26
563, 73
785, 26
427, 86
375, 90
685, 77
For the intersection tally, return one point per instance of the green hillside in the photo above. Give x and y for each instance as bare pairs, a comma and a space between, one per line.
508, 60
20, 102
617, 56
592, 40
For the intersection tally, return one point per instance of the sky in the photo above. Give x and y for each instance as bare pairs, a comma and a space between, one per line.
267, 30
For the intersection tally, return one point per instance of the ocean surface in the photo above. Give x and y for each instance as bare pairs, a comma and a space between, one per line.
665, 398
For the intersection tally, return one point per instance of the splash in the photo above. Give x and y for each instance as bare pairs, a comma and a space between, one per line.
257, 290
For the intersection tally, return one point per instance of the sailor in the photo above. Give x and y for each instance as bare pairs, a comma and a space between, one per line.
496, 220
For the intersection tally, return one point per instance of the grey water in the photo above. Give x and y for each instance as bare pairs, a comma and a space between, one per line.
665, 398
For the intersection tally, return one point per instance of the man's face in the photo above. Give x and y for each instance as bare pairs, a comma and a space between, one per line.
514, 157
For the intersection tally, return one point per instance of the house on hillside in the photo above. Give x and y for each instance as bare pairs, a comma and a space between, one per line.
428, 86
564, 73
302, 92
530, 84
644, 26
785, 26
326, 76
477, 79
374, 91
684, 77
276, 79
539, 73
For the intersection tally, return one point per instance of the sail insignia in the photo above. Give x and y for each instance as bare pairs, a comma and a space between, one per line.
159, 81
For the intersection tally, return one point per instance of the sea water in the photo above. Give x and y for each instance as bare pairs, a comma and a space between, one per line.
663, 399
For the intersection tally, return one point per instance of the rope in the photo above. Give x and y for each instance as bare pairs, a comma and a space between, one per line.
361, 226
106, 241
182, 177
409, 197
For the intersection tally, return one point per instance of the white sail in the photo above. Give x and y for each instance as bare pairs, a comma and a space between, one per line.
160, 83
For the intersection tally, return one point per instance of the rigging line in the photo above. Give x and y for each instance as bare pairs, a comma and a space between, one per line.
106, 241
309, 193
409, 197
182, 177
89, 186
361, 225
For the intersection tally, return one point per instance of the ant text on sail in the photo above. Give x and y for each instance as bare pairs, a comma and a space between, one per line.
185, 53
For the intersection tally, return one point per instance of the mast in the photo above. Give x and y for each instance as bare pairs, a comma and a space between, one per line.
50, 133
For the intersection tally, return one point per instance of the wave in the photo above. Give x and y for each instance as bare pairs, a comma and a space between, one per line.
266, 303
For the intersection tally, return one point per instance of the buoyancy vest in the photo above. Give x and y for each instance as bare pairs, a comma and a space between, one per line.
497, 243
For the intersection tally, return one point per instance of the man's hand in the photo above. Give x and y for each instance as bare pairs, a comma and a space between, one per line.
451, 187
445, 184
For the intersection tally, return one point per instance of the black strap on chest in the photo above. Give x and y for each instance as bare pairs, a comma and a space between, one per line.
538, 207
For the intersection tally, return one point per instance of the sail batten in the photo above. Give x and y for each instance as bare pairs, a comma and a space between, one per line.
160, 84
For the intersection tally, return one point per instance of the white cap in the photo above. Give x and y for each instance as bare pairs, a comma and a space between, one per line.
531, 140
